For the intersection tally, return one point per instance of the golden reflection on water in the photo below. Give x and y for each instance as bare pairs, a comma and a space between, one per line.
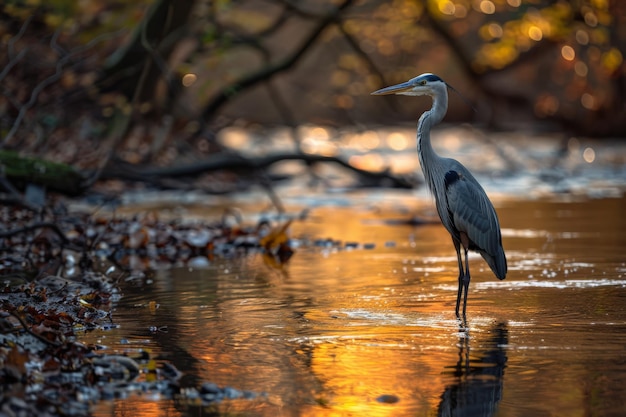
372, 332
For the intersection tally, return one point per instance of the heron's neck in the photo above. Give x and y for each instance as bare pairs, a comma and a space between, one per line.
429, 160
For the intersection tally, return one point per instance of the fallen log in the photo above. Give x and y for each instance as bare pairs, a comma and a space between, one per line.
117, 169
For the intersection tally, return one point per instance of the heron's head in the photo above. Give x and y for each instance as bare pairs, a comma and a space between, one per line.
422, 85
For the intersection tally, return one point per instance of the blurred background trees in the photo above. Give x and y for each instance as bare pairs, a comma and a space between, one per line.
153, 81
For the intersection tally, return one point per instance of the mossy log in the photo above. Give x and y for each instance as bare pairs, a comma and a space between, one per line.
23, 170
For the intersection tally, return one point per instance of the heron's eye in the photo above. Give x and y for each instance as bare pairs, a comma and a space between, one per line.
423, 82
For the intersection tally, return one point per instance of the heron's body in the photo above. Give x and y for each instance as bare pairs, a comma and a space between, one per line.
462, 204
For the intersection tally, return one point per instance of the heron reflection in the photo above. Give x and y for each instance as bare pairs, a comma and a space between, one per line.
479, 380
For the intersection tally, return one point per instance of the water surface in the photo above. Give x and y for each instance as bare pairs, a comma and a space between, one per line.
369, 329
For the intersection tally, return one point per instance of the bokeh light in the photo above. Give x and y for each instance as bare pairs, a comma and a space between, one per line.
582, 37
589, 155
447, 7
568, 53
581, 69
189, 79
397, 141
535, 33
487, 7
612, 59
588, 101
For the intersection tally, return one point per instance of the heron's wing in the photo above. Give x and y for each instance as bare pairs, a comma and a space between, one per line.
471, 212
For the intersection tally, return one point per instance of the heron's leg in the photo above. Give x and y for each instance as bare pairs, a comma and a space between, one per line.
466, 280
457, 246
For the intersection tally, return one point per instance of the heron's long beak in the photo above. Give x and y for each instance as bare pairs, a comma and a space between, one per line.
394, 89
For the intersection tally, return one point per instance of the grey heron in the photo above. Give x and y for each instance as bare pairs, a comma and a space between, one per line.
462, 204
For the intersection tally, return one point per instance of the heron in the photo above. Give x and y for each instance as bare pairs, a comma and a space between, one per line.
462, 204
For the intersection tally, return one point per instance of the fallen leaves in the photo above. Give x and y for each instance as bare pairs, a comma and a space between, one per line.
44, 370
52, 289
143, 242
51, 292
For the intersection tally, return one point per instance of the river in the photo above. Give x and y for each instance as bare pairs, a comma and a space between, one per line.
360, 321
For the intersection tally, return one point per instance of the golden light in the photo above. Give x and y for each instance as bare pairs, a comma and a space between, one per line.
397, 141
233, 137
591, 19
320, 133
369, 140
568, 53
460, 11
589, 155
535, 33
588, 101
495, 30
514, 3
189, 79
582, 37
581, 69
612, 59
573, 144
370, 162
487, 7
310, 145
446, 7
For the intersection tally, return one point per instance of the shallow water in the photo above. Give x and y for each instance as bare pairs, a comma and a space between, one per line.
371, 331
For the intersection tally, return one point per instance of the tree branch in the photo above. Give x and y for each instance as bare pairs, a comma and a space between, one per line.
60, 66
226, 93
235, 162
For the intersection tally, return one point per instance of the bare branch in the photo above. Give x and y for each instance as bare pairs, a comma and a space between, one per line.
60, 66
364, 56
269, 71
14, 59
17, 36
235, 162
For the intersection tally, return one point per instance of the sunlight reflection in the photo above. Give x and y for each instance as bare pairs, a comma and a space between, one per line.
397, 141
370, 162
333, 335
558, 284
313, 145
234, 137
525, 233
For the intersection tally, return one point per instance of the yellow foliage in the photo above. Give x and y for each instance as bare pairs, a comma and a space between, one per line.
612, 59
276, 237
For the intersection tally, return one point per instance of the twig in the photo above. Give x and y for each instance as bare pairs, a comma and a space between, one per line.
52, 226
29, 330
18, 35
49, 80
361, 53
14, 59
